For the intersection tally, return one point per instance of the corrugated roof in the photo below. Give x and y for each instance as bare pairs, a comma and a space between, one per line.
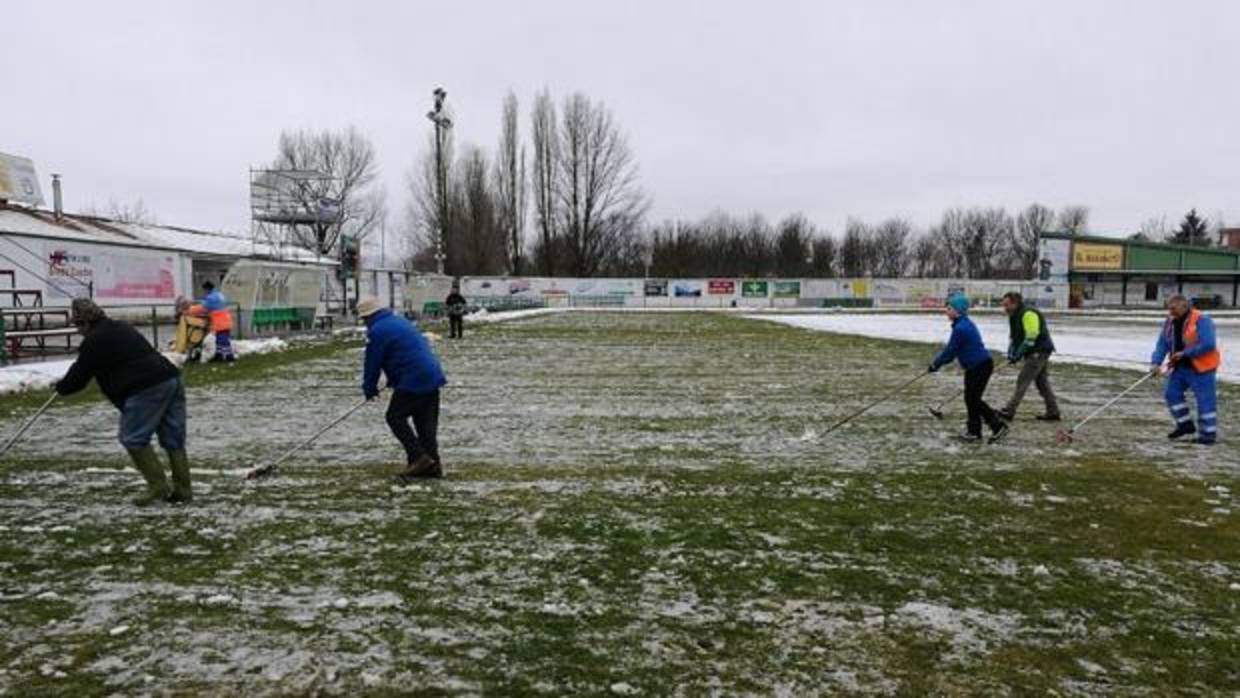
38, 223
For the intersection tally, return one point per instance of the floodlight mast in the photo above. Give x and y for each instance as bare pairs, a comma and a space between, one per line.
440, 116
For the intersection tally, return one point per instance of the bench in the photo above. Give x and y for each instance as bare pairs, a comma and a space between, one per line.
16, 339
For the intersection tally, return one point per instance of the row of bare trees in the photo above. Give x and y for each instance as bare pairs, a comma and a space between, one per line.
588, 207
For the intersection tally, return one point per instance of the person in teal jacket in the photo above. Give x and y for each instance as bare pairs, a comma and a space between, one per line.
966, 347
395, 348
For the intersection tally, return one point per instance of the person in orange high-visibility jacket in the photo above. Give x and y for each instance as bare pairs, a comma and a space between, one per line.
221, 322
192, 328
1188, 340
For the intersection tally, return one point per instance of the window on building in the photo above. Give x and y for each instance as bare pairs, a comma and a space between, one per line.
1151, 291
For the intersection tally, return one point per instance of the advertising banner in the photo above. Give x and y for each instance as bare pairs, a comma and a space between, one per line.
687, 289
1089, 255
787, 289
655, 288
18, 181
1054, 256
115, 274
721, 287
755, 289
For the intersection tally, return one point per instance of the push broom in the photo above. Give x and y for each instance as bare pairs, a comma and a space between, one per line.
1065, 436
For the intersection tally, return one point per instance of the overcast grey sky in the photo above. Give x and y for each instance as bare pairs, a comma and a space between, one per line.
865, 108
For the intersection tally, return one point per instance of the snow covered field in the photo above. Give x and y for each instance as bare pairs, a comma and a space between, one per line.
635, 504
1110, 341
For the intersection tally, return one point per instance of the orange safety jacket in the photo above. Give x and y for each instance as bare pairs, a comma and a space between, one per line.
1210, 360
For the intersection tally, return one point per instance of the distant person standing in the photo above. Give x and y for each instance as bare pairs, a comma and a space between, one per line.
966, 347
144, 386
1188, 341
1029, 343
456, 312
395, 347
221, 322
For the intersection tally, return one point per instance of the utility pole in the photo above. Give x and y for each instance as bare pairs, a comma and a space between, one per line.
440, 116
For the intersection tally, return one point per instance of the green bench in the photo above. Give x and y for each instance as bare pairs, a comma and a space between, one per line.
264, 318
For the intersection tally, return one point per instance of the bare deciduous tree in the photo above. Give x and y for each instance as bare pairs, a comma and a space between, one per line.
825, 252
855, 251
546, 160
793, 255
890, 242
1030, 224
1074, 219
599, 199
348, 159
510, 185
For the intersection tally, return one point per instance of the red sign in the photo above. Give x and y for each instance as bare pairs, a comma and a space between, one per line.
721, 287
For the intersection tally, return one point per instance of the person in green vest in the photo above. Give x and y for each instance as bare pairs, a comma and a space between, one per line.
1030, 345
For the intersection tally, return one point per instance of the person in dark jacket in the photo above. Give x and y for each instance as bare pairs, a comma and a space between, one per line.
144, 386
966, 347
456, 312
395, 347
1029, 344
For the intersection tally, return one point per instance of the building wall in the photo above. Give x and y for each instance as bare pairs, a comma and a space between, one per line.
118, 275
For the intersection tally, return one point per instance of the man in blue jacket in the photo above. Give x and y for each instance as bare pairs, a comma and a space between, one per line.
966, 347
396, 347
1189, 341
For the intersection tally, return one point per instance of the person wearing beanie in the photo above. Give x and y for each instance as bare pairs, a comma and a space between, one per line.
966, 347
395, 347
144, 386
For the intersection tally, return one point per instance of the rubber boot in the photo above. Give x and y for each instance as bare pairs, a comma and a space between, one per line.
181, 491
147, 462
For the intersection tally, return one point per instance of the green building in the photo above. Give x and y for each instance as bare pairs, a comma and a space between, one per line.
1103, 271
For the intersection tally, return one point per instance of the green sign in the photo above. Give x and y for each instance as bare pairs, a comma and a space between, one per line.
754, 289
787, 289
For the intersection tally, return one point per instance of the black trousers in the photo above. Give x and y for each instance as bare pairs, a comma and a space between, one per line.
975, 381
456, 326
423, 410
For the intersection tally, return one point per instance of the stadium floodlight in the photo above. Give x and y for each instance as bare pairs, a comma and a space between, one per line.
441, 116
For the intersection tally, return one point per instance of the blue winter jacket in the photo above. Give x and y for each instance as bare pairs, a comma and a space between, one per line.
395, 346
1207, 341
964, 346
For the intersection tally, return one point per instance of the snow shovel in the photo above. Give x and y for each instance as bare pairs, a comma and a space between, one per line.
937, 410
904, 386
29, 422
1063, 437
270, 468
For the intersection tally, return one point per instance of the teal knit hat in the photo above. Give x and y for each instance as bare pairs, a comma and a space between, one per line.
959, 303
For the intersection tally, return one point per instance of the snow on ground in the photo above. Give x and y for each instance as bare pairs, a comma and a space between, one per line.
268, 345
1079, 339
14, 379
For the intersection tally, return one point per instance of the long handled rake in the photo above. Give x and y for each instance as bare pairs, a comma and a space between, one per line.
29, 422
270, 468
1064, 436
937, 410
894, 392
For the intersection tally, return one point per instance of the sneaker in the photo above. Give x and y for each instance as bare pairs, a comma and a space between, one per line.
1048, 418
1185, 429
1001, 432
969, 437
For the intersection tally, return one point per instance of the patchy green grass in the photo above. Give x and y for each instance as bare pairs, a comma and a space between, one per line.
634, 503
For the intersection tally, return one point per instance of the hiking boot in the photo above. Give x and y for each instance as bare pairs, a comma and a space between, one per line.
181, 490
999, 433
146, 461
1183, 429
424, 466
969, 437
1048, 417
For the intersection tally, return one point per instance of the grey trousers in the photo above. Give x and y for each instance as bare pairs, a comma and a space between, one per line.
1035, 370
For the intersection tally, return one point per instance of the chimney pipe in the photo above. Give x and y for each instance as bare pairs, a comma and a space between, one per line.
58, 204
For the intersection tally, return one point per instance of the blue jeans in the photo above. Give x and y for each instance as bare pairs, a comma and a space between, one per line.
160, 409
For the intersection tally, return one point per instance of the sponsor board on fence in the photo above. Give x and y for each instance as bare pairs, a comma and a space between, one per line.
655, 288
755, 289
721, 287
787, 289
687, 288
112, 274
